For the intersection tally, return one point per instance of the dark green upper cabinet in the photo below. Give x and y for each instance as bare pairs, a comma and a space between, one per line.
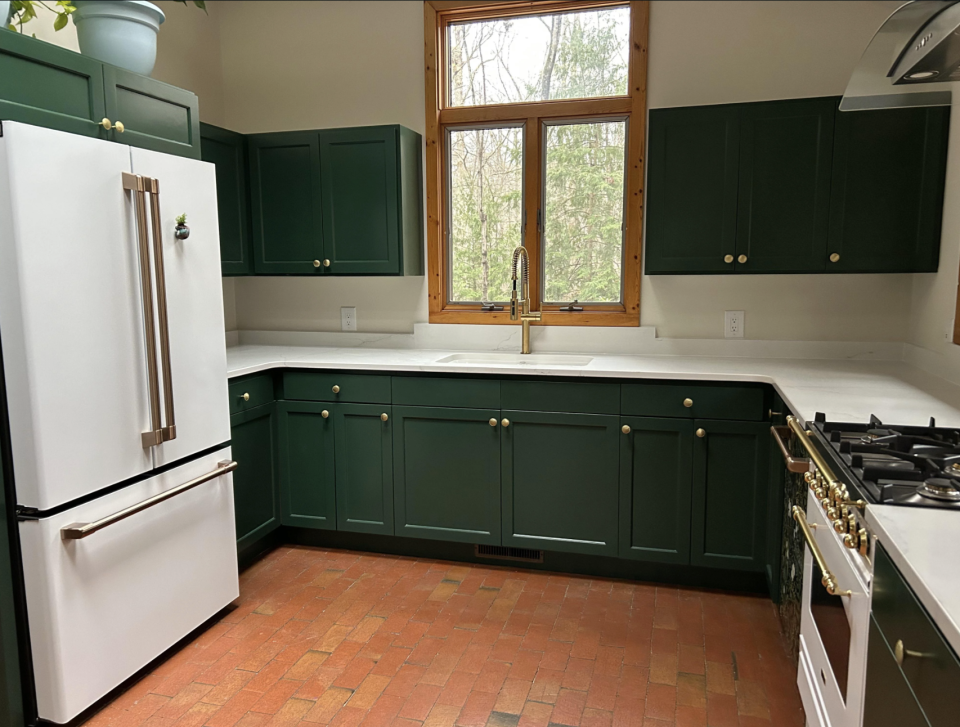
285, 203
155, 115
784, 187
227, 151
729, 498
307, 472
447, 473
656, 458
889, 170
370, 190
256, 486
692, 189
44, 85
364, 466
560, 480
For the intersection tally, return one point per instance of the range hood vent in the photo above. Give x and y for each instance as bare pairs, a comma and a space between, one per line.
913, 59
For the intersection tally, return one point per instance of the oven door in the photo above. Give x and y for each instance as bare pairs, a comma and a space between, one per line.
833, 630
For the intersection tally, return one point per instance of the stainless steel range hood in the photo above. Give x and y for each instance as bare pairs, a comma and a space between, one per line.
913, 59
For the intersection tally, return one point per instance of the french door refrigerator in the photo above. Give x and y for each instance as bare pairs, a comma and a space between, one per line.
115, 383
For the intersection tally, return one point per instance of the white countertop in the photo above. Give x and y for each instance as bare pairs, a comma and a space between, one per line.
918, 539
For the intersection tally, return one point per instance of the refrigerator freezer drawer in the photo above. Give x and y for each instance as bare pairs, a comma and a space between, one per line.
102, 607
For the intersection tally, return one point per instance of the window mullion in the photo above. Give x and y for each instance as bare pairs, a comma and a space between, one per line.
533, 205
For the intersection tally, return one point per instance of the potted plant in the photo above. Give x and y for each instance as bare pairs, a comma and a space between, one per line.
120, 32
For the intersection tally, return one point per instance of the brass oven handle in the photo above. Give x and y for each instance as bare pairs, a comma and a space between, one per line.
135, 184
828, 580
794, 464
824, 469
76, 531
170, 431
900, 653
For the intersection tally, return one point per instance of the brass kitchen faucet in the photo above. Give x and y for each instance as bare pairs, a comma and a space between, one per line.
524, 314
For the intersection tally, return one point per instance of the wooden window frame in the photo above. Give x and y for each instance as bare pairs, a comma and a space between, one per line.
436, 16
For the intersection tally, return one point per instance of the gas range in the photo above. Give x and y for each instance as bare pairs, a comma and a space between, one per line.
913, 466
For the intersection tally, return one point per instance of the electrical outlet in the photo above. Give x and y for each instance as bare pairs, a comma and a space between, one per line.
348, 318
733, 324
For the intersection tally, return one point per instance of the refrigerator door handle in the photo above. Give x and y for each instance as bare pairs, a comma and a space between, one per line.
135, 184
170, 430
76, 531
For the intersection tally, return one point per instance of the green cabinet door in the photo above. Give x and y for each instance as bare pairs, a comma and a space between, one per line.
44, 85
364, 467
307, 473
656, 460
784, 186
227, 151
692, 190
256, 490
560, 480
447, 473
887, 193
285, 203
729, 494
888, 700
155, 115
360, 194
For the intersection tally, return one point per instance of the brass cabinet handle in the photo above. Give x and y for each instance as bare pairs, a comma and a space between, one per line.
325, 414
625, 429
316, 263
335, 389
900, 653
493, 422
106, 123
119, 127
728, 258
828, 580
701, 433
834, 257
742, 259
326, 263
245, 396
505, 422
688, 403
384, 417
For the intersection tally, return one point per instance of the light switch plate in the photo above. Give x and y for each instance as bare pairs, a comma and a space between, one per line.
733, 324
348, 318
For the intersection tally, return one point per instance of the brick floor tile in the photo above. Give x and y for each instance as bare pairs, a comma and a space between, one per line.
327, 706
722, 710
476, 709
442, 715
691, 716
275, 697
569, 707
720, 678
535, 714
421, 700
457, 689
491, 677
512, 696
235, 707
368, 692
602, 694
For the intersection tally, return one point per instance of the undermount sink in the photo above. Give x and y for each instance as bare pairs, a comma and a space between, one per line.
515, 359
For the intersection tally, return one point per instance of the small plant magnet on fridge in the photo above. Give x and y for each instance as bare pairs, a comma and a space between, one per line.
182, 231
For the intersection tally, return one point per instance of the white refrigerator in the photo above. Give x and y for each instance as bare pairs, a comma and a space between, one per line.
115, 381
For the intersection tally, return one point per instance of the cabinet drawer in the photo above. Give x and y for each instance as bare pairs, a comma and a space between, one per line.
929, 664
693, 400
251, 391
560, 396
441, 391
352, 388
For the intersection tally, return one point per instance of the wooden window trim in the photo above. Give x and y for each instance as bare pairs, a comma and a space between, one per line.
436, 15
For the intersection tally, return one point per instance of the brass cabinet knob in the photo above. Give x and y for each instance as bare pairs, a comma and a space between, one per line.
335, 389
316, 263
688, 403
245, 397
106, 123
325, 414
834, 257
326, 263
119, 127
728, 258
493, 422
384, 417
505, 422
701, 433
625, 429
742, 259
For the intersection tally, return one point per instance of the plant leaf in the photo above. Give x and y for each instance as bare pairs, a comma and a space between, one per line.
201, 4
61, 21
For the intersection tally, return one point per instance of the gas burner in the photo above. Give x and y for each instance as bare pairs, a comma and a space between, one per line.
939, 488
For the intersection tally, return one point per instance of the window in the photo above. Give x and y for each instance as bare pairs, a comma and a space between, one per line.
535, 127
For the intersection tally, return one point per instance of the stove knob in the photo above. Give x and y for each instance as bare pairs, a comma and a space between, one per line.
864, 542
810, 479
851, 540
840, 525
832, 513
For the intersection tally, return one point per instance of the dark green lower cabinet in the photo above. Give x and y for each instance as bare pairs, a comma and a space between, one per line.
560, 481
729, 499
256, 492
307, 473
656, 457
364, 467
888, 699
447, 473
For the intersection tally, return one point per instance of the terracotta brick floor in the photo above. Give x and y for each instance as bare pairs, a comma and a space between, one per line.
345, 639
